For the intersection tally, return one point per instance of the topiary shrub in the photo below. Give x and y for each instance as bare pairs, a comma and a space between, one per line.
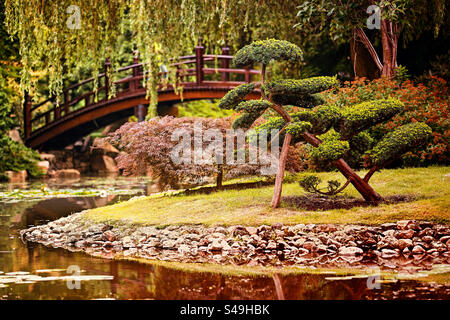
264, 51
399, 141
367, 114
235, 96
340, 127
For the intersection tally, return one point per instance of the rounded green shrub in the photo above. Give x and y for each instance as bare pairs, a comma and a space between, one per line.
264, 51
245, 120
362, 116
300, 86
303, 101
331, 148
399, 141
235, 96
274, 123
298, 128
322, 118
252, 106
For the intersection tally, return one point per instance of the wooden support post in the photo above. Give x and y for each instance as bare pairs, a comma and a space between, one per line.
140, 113
107, 70
27, 115
199, 50
57, 113
66, 102
134, 84
225, 63
248, 76
47, 117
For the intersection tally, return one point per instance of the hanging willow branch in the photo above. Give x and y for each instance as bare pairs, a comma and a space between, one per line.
50, 39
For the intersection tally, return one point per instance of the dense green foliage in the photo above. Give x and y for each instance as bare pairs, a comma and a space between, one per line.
362, 116
254, 106
331, 148
306, 101
235, 96
264, 51
298, 128
399, 141
300, 87
274, 123
322, 118
245, 120
203, 109
310, 183
426, 102
14, 155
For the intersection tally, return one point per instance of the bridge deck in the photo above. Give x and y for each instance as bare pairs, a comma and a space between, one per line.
83, 110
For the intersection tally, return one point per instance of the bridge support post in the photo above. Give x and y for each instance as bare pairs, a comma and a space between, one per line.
140, 113
248, 76
199, 50
107, 68
225, 64
135, 83
27, 115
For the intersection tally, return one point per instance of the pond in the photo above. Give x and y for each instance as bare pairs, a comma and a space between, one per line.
32, 271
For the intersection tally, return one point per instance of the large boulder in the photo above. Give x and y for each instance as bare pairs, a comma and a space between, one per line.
14, 134
103, 164
16, 176
65, 174
43, 166
102, 147
48, 157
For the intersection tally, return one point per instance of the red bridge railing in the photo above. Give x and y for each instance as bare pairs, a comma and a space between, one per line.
192, 71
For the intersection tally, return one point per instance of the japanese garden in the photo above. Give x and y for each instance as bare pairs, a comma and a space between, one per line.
224, 150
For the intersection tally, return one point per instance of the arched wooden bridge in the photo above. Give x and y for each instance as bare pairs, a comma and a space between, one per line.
202, 76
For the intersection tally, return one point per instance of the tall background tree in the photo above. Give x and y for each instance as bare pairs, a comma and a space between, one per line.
346, 21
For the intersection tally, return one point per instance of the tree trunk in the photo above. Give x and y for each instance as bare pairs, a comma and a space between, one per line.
219, 178
363, 62
362, 186
389, 41
283, 156
280, 173
390, 33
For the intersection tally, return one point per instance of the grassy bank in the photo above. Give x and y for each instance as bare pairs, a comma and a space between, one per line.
429, 186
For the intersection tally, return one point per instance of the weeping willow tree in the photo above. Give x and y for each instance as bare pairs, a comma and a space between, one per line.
59, 35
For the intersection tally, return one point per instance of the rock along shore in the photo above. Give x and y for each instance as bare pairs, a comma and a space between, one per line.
406, 244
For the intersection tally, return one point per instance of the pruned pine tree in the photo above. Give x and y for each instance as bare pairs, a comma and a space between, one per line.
327, 128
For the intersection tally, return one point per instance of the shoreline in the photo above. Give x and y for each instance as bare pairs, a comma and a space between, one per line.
409, 245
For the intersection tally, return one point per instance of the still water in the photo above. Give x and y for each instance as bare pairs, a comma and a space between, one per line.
31, 271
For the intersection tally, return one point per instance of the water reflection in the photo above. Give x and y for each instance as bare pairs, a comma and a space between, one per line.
132, 280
